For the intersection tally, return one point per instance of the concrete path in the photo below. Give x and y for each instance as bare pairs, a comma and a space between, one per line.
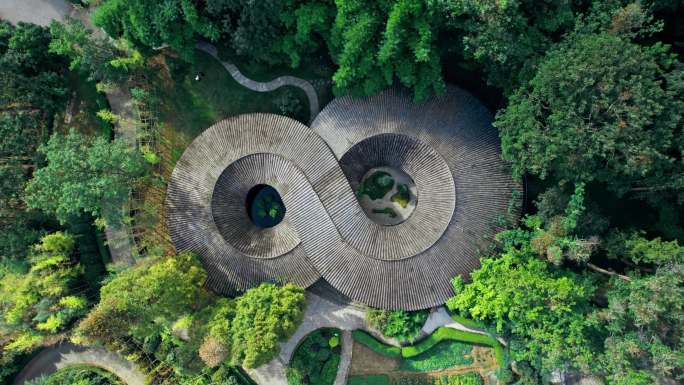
40, 12
274, 84
66, 354
320, 313
345, 362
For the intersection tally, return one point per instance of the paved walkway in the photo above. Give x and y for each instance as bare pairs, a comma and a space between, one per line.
66, 354
321, 313
274, 84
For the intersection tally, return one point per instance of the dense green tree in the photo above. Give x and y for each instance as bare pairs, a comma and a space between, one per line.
400, 324
162, 306
376, 43
99, 57
154, 24
600, 108
137, 301
41, 302
264, 316
32, 78
645, 313
82, 174
31, 90
508, 38
540, 310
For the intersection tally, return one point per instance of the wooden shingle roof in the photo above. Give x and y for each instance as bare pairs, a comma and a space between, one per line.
448, 147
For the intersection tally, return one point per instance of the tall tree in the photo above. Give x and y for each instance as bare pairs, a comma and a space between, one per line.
82, 174
42, 302
155, 24
540, 309
376, 43
509, 38
645, 314
600, 108
31, 91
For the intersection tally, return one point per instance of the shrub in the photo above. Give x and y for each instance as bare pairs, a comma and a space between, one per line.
400, 324
212, 352
264, 316
376, 379
370, 342
315, 361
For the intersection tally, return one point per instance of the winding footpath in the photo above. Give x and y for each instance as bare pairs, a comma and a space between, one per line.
272, 85
66, 354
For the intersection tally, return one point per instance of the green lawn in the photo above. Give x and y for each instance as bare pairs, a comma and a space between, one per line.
188, 107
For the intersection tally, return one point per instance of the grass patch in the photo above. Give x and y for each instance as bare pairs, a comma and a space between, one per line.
445, 354
188, 107
371, 343
376, 379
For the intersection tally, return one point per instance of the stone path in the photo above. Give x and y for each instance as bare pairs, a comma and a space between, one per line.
345, 363
66, 354
320, 313
274, 84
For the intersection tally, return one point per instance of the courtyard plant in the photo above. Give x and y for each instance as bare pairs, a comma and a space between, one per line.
316, 360
403, 325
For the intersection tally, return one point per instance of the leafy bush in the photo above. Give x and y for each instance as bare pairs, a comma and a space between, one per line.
376, 379
444, 355
400, 324
371, 343
42, 302
315, 361
264, 316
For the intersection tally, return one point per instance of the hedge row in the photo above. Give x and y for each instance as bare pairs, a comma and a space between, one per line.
371, 343
373, 379
444, 333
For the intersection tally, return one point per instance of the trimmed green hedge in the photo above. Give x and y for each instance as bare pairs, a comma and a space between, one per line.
377, 379
371, 343
444, 333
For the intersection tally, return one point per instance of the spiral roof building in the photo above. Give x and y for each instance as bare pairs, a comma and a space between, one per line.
446, 145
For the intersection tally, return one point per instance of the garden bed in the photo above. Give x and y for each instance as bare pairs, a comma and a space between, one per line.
316, 359
443, 356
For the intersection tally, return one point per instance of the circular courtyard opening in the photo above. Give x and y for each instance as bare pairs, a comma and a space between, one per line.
387, 195
264, 206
